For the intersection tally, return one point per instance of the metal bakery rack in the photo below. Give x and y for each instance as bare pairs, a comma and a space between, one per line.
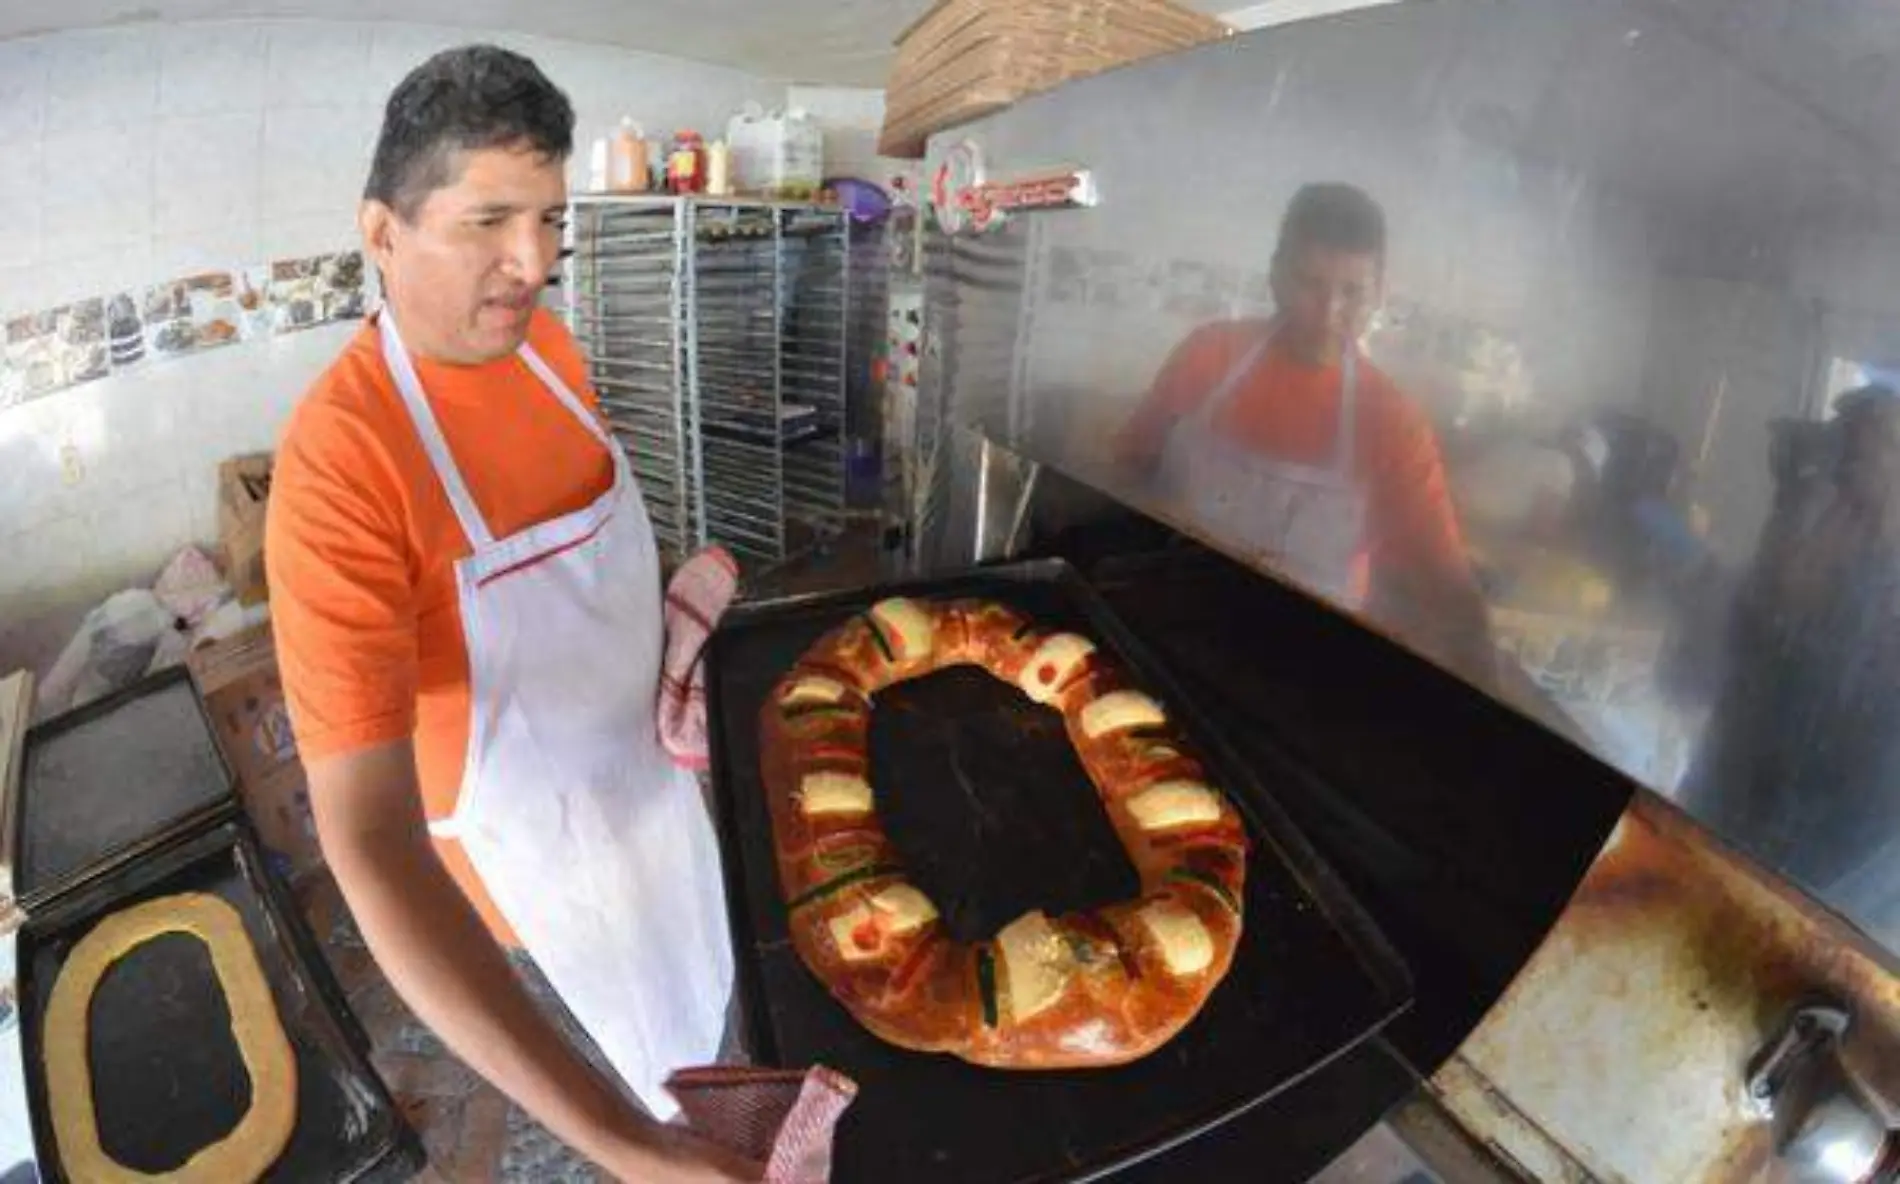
716, 336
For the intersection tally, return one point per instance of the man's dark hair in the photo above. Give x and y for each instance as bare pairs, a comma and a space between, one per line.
1332, 215
478, 96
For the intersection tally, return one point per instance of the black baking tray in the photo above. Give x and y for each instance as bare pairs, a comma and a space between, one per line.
993, 814
101, 783
166, 1074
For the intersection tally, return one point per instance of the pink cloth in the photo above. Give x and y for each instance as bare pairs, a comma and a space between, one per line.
782, 1118
697, 597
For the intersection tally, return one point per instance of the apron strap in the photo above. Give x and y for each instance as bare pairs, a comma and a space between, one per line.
429, 429
403, 369
623, 469
568, 398
1345, 436
1230, 383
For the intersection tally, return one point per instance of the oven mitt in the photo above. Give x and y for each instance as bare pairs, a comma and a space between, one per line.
697, 596
782, 1118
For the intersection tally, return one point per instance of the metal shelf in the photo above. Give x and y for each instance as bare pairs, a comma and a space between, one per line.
717, 332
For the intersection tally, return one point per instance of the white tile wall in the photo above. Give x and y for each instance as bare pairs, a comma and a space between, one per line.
396, 49
95, 273
105, 77
318, 64
288, 236
206, 174
22, 90
207, 69
139, 154
95, 189
20, 201
102, 483
852, 117
237, 242
315, 158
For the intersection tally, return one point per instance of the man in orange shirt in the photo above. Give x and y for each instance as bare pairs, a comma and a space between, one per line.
1280, 438
467, 606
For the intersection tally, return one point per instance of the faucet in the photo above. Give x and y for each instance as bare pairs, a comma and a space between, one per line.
1826, 1126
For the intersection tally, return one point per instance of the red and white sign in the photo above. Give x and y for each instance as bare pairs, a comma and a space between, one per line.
965, 199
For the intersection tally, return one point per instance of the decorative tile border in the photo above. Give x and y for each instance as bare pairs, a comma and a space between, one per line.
42, 353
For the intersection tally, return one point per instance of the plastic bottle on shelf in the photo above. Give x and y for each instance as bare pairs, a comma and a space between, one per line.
686, 167
599, 165
719, 169
628, 171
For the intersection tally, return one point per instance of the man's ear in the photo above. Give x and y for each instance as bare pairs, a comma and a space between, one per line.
377, 222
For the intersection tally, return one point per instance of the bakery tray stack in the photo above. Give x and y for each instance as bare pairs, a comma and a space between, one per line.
127, 807
966, 58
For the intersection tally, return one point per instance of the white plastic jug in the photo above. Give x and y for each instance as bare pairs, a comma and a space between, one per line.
779, 155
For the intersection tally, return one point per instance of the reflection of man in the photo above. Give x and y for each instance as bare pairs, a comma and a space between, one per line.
467, 606
1282, 439
1801, 764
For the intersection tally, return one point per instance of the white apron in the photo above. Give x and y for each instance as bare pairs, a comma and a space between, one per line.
594, 846
1305, 521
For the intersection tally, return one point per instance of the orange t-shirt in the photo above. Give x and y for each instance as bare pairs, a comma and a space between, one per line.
361, 544
1289, 411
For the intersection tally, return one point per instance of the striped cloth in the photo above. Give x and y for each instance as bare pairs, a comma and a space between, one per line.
697, 596
782, 1118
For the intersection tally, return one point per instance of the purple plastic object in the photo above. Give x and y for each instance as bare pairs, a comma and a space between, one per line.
865, 201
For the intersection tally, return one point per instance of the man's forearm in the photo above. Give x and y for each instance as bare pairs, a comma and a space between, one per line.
442, 961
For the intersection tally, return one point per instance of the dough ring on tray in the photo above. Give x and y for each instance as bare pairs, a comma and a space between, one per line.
1103, 986
261, 1135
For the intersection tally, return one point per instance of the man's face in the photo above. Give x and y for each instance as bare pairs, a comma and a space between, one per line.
1326, 298
463, 273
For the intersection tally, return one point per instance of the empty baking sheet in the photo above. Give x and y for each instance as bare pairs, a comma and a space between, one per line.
97, 782
160, 1094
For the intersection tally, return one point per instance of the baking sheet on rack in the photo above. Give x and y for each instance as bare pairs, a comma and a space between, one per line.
112, 774
993, 813
167, 1076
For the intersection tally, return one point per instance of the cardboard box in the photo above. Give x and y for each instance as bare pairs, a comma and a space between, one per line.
966, 58
243, 493
245, 698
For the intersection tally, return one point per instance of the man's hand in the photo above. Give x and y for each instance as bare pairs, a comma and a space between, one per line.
696, 597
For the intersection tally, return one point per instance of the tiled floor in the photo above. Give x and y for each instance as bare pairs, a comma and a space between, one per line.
470, 1131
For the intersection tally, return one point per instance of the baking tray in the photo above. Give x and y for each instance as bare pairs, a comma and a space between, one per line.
101, 783
993, 813
167, 1078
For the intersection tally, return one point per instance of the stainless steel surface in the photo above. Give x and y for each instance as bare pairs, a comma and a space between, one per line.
716, 330
1635, 252
1447, 1149
1379, 1157
1827, 1129
1622, 1050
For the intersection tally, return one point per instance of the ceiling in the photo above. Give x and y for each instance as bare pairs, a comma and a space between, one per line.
842, 42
